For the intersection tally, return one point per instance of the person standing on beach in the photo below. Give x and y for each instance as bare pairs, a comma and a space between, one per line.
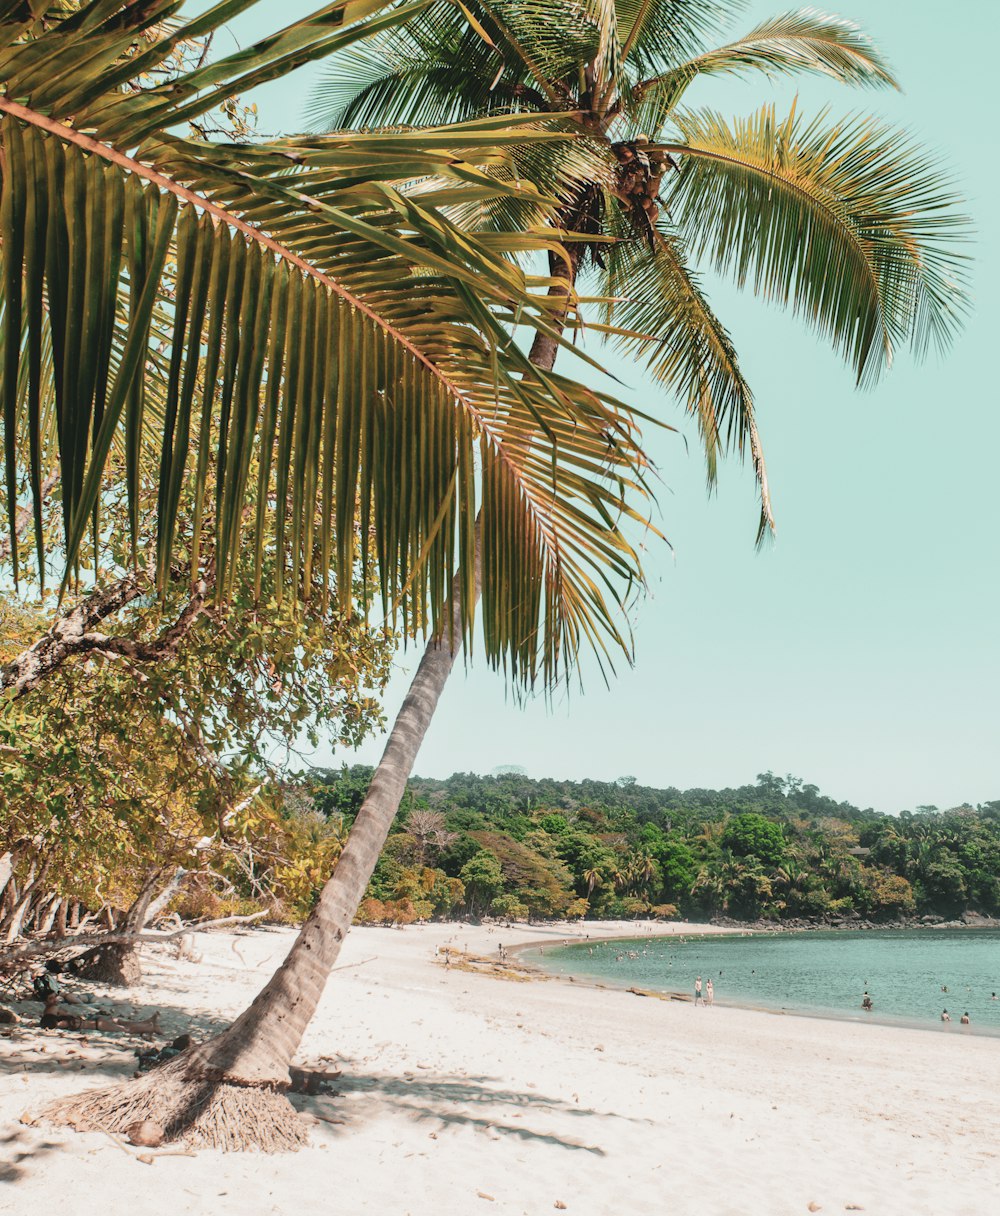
697, 991
709, 993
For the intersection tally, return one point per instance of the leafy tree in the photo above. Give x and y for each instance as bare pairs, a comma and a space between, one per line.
751, 835
678, 869
483, 881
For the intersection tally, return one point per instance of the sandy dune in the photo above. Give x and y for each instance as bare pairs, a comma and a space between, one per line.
467, 1093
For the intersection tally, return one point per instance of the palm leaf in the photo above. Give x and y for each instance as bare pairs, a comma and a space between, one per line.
344, 342
848, 222
653, 33
659, 313
804, 41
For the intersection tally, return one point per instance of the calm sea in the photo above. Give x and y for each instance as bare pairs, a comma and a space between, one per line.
904, 972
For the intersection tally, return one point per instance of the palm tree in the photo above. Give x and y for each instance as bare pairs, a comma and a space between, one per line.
847, 222
350, 347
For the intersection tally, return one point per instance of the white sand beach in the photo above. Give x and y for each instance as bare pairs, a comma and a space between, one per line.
468, 1093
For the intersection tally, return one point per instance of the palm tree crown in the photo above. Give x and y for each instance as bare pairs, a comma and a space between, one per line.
845, 221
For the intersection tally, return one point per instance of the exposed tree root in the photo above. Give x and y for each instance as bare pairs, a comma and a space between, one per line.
189, 1107
116, 964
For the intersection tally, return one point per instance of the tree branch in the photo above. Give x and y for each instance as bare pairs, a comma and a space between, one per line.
23, 518
75, 633
53, 946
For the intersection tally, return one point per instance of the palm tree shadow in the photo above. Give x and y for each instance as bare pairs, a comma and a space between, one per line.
449, 1100
30, 1049
16, 1150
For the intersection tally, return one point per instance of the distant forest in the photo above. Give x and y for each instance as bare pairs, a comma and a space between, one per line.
522, 848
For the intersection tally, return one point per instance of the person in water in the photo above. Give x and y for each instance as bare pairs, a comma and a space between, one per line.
866, 1003
945, 1015
964, 1019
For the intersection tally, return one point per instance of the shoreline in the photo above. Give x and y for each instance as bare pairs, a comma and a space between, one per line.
691, 930
466, 1091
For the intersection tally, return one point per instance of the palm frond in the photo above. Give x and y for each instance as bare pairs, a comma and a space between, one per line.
661, 316
803, 41
848, 222
347, 347
655, 33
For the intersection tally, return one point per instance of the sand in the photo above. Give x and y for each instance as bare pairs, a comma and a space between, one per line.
465, 1092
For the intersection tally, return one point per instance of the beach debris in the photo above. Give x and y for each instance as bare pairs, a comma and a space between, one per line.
853, 1207
560, 1205
814, 1206
8, 1017
312, 1082
28, 1119
483, 1195
152, 1058
146, 1133
44, 986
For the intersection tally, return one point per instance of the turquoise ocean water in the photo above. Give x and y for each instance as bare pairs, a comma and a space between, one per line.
817, 973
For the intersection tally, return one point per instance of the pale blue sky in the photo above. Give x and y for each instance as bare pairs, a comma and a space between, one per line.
859, 651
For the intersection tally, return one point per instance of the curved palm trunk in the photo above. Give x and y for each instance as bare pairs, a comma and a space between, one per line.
259, 1046
228, 1093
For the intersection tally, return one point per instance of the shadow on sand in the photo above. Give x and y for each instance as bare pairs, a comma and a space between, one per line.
448, 1101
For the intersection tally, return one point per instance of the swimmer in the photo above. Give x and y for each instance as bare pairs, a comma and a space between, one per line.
945, 1015
964, 1019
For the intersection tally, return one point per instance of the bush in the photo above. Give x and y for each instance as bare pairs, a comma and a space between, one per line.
508, 907
371, 912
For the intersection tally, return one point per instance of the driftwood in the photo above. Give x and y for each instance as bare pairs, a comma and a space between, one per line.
28, 950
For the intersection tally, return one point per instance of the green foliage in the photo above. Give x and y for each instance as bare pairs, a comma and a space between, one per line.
751, 835
113, 769
483, 881
779, 850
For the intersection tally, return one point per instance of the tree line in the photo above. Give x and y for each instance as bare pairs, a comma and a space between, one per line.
517, 847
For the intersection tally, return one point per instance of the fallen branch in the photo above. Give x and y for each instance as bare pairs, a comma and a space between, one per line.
55, 945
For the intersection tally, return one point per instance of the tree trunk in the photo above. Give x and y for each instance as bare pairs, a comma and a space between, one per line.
6, 870
228, 1093
45, 926
165, 896
117, 963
